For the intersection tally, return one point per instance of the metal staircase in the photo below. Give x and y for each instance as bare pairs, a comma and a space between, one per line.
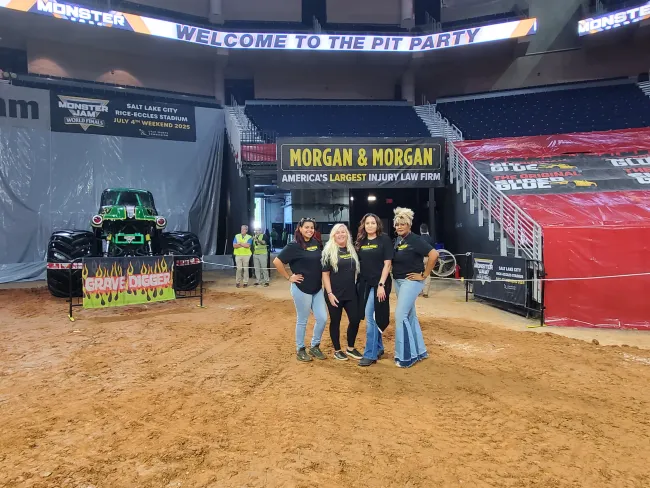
518, 234
240, 130
438, 125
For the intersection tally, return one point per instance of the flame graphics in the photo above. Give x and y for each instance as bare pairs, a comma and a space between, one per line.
129, 272
122, 281
84, 275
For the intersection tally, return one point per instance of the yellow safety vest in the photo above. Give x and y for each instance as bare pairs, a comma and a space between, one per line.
242, 251
259, 247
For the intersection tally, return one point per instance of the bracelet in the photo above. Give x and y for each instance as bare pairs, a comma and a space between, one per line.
330, 293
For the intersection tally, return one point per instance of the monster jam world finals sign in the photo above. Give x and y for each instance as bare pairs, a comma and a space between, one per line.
360, 162
123, 117
81, 14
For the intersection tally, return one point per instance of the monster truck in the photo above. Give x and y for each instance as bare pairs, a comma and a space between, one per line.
127, 224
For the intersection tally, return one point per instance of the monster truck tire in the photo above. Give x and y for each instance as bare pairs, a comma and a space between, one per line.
64, 247
186, 278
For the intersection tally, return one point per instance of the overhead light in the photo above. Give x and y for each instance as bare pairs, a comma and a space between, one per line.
372, 198
351, 198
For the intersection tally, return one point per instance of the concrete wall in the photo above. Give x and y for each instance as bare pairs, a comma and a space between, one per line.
294, 82
260, 10
77, 61
554, 55
364, 11
252, 10
534, 70
465, 9
199, 8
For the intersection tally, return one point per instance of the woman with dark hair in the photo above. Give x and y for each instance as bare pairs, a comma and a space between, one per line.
409, 273
375, 251
304, 258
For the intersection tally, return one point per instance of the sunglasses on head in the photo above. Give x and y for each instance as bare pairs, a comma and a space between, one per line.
306, 219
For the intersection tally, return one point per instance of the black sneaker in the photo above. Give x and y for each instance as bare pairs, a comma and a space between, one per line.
316, 352
354, 354
380, 355
245, 285
302, 355
266, 284
366, 362
257, 284
340, 356
237, 285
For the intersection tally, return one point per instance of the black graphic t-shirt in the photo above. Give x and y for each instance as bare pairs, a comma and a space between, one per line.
409, 255
344, 280
372, 254
305, 262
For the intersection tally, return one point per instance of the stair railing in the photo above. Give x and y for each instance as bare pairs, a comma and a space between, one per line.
434, 118
233, 131
487, 199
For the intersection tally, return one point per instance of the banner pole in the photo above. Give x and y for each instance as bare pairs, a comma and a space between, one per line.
70, 293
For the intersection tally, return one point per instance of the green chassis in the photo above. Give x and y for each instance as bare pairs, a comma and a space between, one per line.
129, 223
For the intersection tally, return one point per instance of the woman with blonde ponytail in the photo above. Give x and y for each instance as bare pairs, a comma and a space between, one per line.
409, 273
340, 268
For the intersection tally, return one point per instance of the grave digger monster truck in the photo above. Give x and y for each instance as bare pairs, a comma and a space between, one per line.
127, 224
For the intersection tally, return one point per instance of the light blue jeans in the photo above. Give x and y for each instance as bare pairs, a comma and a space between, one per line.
304, 303
374, 343
409, 343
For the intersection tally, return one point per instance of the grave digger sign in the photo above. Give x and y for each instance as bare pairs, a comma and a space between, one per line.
360, 162
115, 282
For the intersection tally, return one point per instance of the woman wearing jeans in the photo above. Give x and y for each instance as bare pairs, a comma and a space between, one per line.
304, 258
375, 251
409, 274
340, 269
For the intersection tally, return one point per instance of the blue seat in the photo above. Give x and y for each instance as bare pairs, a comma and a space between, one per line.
337, 120
550, 112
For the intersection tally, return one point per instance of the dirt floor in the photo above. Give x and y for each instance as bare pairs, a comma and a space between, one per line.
171, 395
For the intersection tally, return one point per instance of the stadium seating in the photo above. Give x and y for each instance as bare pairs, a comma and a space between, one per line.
337, 120
550, 112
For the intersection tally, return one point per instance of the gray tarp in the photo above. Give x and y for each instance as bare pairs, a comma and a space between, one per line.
51, 181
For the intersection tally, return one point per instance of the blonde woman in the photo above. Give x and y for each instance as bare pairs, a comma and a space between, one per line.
340, 268
409, 274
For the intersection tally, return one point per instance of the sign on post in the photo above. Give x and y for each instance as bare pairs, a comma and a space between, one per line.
500, 278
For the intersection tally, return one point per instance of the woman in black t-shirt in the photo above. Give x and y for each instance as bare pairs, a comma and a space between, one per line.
375, 251
304, 258
340, 268
409, 273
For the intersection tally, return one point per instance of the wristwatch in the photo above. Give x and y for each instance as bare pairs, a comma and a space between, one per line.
381, 284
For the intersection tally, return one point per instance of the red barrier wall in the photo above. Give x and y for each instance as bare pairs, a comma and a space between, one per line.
595, 234
610, 142
587, 234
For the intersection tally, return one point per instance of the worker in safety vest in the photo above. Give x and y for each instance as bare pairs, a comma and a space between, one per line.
260, 252
242, 250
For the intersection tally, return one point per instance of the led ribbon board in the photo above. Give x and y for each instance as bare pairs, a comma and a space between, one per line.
257, 40
614, 20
